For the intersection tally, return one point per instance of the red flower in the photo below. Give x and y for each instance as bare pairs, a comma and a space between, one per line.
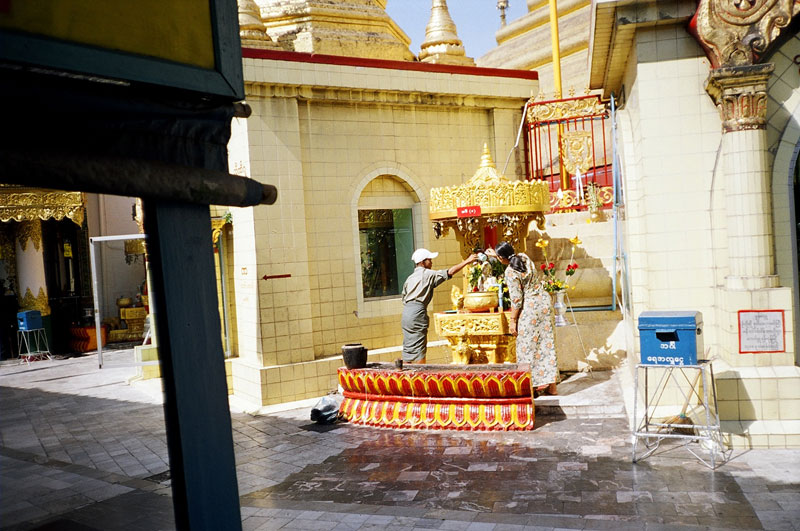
544, 266
552, 265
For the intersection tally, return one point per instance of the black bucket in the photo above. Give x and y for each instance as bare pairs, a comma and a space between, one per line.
354, 355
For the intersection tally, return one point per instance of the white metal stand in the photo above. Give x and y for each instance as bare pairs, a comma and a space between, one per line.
98, 319
651, 432
34, 343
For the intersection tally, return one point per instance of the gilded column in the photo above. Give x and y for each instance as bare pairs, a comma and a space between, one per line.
740, 93
30, 267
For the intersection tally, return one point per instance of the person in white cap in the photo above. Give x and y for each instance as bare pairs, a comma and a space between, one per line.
417, 294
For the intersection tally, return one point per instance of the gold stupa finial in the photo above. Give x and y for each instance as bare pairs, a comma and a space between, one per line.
486, 174
486, 158
442, 44
252, 31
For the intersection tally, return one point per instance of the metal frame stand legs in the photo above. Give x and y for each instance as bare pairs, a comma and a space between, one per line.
649, 432
34, 344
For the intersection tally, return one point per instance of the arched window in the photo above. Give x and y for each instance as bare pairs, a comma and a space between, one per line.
386, 209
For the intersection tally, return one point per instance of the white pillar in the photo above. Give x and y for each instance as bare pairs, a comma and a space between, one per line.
741, 96
30, 267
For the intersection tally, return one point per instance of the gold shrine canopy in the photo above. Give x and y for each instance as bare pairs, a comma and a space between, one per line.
18, 203
489, 200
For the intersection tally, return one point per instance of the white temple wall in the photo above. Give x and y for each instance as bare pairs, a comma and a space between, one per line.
671, 132
783, 139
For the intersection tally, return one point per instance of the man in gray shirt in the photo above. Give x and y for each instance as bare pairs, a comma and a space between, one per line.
417, 294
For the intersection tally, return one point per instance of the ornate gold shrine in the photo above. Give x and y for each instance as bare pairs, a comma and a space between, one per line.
510, 206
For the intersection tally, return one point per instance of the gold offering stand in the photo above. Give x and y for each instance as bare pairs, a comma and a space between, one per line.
487, 201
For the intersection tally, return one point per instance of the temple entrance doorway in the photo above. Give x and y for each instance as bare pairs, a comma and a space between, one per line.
67, 275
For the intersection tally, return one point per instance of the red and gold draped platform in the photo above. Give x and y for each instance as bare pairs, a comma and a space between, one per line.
439, 397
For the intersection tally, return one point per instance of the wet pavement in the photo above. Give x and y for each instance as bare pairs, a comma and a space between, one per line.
80, 449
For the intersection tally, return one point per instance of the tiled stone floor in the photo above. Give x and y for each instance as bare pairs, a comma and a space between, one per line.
82, 450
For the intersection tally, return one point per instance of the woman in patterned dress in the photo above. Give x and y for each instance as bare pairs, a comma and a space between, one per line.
531, 318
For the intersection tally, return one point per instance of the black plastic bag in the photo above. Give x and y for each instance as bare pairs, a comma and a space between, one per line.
326, 411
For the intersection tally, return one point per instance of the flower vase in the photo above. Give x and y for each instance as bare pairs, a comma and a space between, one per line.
560, 308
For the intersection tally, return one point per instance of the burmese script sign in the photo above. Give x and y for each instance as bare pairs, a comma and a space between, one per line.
468, 211
761, 331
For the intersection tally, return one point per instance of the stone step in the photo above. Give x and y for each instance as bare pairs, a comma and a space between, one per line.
592, 283
594, 394
593, 340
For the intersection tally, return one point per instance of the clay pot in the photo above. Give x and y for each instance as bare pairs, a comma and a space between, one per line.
354, 356
480, 301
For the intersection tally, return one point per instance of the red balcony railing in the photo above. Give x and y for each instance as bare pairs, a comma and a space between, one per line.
568, 145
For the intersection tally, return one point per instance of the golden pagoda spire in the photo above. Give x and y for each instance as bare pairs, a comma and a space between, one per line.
252, 30
442, 44
486, 174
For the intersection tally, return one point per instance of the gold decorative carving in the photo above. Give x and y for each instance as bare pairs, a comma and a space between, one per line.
8, 253
738, 32
576, 147
457, 298
30, 230
477, 337
216, 228
475, 325
138, 215
39, 302
547, 111
569, 198
135, 247
606, 195
28, 204
491, 191
740, 94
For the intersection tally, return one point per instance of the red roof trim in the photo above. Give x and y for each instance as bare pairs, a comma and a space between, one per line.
280, 55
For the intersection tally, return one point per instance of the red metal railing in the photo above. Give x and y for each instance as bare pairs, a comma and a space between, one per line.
567, 138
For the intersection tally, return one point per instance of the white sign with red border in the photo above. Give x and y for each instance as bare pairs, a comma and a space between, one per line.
761, 331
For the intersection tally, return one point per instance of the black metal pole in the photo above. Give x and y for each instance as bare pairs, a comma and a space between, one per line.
184, 303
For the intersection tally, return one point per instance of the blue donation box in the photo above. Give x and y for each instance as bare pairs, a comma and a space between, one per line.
670, 338
29, 320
